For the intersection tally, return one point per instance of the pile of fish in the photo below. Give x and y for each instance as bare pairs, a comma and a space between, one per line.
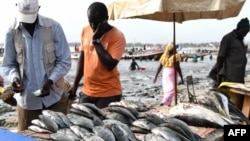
125, 120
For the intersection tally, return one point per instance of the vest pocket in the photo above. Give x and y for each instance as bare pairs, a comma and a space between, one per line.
50, 53
19, 56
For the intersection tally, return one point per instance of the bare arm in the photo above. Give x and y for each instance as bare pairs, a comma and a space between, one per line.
78, 76
105, 57
157, 72
178, 69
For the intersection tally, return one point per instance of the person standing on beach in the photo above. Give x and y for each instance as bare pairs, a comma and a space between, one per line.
231, 59
36, 57
168, 74
102, 47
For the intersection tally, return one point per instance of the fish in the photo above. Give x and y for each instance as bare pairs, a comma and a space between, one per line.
64, 134
39, 123
104, 133
236, 111
65, 119
118, 132
124, 127
50, 124
38, 129
168, 134
123, 111
144, 124
81, 121
120, 117
153, 137
81, 113
56, 117
79, 131
157, 120
82, 107
139, 106
182, 128
98, 112
223, 100
91, 137
197, 115
216, 135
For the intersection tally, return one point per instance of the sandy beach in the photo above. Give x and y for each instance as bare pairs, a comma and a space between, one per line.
137, 85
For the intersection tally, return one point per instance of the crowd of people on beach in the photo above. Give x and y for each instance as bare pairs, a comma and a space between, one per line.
37, 58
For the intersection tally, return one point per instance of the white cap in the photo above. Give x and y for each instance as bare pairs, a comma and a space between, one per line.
27, 10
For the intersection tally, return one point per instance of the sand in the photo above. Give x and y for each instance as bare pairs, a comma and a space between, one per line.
137, 85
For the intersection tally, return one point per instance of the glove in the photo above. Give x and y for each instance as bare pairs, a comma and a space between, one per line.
16, 85
46, 88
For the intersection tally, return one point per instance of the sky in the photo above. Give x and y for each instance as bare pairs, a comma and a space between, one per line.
72, 15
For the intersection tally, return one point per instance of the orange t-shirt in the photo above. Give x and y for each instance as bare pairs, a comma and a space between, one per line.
98, 81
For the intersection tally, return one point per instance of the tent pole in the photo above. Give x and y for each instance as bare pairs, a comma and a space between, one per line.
175, 74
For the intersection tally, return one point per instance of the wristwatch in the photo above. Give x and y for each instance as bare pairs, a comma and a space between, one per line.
96, 41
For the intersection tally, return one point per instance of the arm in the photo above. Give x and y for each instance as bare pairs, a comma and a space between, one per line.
219, 63
157, 72
105, 57
62, 53
79, 75
178, 69
221, 57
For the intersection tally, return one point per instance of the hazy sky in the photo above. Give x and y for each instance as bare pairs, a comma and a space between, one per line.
72, 14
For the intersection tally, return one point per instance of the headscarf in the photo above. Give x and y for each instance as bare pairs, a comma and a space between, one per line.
166, 60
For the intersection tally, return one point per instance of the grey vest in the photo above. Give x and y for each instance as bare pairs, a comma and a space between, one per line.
48, 50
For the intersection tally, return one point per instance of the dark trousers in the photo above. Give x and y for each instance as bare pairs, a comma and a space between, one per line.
26, 116
100, 102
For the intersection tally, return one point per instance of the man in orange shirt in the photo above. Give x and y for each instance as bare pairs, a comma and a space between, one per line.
102, 46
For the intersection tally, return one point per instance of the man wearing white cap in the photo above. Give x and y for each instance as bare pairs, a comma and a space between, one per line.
36, 57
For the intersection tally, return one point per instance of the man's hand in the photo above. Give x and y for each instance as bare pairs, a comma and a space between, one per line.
100, 30
17, 85
72, 93
46, 88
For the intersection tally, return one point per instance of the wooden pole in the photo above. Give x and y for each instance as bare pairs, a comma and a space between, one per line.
175, 74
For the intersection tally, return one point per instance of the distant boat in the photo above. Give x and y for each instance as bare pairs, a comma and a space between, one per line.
75, 55
145, 54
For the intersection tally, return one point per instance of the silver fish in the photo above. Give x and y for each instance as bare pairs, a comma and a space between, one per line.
153, 137
65, 119
50, 124
104, 133
64, 134
96, 110
197, 115
118, 132
79, 131
82, 107
92, 137
167, 133
81, 121
144, 124
182, 127
54, 116
39, 123
120, 117
38, 129
123, 111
